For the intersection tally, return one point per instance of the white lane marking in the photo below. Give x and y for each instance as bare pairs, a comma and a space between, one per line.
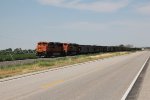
133, 82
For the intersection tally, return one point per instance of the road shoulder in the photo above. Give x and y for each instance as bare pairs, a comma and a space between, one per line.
145, 88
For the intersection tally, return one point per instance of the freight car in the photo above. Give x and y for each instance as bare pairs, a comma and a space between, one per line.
48, 49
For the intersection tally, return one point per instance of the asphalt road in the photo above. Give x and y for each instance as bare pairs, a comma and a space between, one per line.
106, 79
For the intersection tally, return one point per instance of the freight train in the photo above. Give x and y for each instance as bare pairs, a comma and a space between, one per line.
49, 49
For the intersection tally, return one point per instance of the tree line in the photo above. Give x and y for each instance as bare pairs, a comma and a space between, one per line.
17, 51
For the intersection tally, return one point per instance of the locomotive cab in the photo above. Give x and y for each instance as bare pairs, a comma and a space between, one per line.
41, 49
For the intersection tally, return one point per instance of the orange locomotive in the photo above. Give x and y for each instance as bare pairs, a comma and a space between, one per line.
48, 49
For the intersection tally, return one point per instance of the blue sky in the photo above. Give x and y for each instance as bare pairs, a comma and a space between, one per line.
23, 23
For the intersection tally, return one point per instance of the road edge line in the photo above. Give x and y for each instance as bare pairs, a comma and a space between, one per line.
134, 80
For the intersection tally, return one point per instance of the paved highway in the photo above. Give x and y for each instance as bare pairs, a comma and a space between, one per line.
106, 79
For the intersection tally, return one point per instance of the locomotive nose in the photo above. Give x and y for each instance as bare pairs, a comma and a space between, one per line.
41, 48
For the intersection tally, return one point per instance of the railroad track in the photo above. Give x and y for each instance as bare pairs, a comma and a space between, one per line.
20, 62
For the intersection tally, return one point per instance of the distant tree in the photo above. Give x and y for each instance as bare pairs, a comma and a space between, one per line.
2, 52
121, 45
9, 50
6, 51
31, 51
25, 51
18, 51
129, 46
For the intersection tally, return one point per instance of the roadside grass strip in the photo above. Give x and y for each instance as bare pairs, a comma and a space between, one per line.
8, 71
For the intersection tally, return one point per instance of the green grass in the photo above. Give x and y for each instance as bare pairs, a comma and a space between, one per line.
10, 57
8, 71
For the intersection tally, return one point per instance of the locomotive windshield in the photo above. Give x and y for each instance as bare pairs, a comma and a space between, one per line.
42, 43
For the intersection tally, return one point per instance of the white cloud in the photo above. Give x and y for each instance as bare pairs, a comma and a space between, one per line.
97, 6
144, 9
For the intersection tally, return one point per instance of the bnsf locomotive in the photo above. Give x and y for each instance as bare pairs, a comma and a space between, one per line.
48, 49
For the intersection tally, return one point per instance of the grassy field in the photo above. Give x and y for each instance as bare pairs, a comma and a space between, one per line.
10, 57
9, 71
